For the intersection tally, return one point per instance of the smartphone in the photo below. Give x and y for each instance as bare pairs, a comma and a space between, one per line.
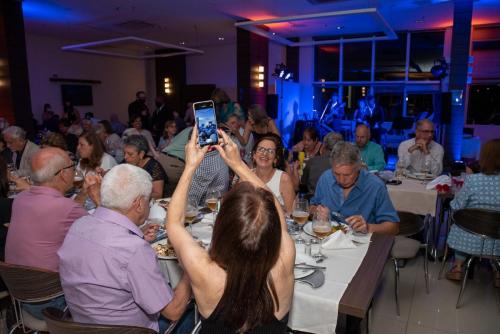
204, 114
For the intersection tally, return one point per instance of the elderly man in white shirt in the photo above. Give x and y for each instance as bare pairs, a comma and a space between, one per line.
421, 154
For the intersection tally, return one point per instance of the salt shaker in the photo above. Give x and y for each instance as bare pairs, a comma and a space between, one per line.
307, 247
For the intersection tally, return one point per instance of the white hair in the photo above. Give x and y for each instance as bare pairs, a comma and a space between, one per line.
50, 167
124, 183
15, 132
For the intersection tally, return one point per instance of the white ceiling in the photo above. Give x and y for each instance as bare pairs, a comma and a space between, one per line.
198, 23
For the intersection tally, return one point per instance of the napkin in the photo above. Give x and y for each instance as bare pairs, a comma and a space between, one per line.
315, 280
157, 212
338, 240
443, 179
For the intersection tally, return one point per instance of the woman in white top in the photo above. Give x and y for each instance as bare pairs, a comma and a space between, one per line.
92, 154
269, 163
137, 129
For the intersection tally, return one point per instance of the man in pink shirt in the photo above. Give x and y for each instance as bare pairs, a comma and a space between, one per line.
41, 215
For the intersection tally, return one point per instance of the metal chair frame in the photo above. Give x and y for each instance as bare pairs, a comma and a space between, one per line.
19, 296
471, 257
425, 227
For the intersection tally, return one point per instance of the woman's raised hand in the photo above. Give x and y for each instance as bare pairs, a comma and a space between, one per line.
194, 153
228, 150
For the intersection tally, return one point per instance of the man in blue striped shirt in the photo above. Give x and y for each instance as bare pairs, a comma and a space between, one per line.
355, 194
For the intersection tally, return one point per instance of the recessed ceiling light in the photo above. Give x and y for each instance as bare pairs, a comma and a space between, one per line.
274, 33
221, 38
340, 27
182, 43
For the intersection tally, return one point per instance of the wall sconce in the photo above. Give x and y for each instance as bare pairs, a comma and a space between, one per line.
260, 76
168, 87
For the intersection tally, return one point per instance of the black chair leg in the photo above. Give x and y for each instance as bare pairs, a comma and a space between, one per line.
464, 280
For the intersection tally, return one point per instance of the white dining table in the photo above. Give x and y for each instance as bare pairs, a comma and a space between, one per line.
313, 310
412, 196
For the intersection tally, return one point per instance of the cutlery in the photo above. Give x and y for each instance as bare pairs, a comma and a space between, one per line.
304, 265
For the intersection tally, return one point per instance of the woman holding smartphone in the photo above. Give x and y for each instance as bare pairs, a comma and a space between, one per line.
250, 263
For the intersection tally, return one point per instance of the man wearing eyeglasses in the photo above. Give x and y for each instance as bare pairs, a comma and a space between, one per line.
422, 153
41, 217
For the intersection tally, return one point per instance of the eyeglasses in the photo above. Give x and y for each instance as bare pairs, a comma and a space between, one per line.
263, 150
60, 170
426, 131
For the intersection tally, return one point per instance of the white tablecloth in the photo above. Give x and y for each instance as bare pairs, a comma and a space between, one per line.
412, 196
313, 310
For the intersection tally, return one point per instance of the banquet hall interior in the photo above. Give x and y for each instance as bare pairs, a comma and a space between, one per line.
399, 79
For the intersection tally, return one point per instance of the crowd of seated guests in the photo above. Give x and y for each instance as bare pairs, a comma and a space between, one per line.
250, 233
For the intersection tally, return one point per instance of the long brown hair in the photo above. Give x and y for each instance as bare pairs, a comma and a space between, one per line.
489, 158
97, 151
246, 243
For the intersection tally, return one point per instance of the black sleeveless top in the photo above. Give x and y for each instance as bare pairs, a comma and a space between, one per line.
212, 325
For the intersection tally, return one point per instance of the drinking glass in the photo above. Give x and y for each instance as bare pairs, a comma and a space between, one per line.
300, 214
190, 215
78, 179
400, 169
212, 202
322, 228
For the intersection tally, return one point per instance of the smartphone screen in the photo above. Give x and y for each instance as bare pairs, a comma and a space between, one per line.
204, 113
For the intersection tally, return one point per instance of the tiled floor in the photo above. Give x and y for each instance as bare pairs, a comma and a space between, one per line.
435, 313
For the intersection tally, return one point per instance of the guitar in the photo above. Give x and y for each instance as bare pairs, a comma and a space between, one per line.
336, 111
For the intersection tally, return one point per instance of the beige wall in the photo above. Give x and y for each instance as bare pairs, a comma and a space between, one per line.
120, 78
216, 66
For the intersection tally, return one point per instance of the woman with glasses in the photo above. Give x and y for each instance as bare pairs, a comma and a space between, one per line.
269, 166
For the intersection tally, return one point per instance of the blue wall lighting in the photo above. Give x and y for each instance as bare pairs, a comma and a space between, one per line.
47, 12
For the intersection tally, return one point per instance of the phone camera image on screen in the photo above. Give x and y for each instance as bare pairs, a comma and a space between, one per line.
206, 123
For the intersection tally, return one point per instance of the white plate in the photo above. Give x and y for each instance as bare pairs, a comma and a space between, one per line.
163, 242
308, 228
420, 176
302, 258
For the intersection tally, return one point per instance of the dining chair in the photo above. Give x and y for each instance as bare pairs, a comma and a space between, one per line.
29, 285
57, 324
406, 248
484, 224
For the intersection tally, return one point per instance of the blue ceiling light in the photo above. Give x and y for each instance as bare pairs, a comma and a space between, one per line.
39, 11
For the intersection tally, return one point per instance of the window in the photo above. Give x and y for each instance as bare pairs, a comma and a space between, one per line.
390, 59
327, 62
357, 61
484, 104
425, 49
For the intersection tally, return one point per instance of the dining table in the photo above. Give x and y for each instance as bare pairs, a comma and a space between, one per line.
338, 306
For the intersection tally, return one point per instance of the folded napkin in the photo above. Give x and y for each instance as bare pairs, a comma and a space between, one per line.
443, 179
157, 212
338, 240
315, 280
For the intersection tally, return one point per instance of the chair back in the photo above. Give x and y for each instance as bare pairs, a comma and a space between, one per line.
409, 223
485, 223
29, 284
58, 325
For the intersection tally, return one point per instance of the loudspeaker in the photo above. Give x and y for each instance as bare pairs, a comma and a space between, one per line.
272, 105
445, 108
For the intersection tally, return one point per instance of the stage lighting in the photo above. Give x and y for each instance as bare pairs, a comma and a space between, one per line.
440, 69
282, 72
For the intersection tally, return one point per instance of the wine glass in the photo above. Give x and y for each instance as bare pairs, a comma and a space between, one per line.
426, 169
78, 179
300, 214
400, 169
190, 215
322, 228
212, 201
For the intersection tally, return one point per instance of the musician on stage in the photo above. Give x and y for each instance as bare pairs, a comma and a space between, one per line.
336, 108
372, 115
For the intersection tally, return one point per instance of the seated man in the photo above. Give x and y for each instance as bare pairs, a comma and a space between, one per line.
23, 149
371, 152
316, 165
355, 193
109, 273
422, 153
41, 215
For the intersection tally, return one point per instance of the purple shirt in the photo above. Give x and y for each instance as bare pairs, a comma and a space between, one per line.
41, 217
110, 274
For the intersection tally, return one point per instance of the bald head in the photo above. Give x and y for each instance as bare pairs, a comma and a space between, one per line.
362, 135
47, 162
